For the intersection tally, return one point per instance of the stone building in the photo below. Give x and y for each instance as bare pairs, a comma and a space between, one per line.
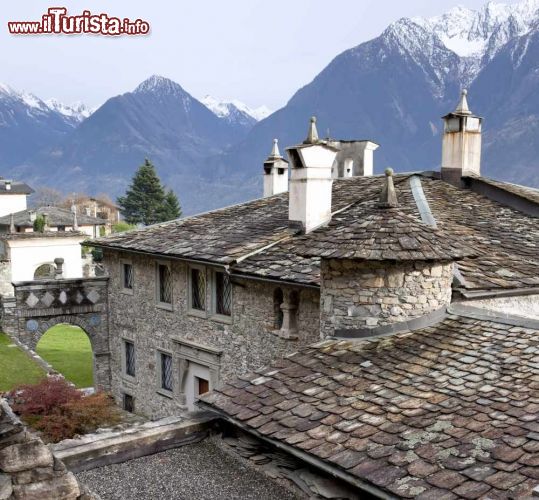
197, 301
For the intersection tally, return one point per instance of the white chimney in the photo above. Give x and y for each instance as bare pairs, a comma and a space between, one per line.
8, 185
275, 172
310, 182
354, 159
461, 147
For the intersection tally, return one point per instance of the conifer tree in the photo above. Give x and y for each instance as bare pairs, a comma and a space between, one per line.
172, 209
145, 201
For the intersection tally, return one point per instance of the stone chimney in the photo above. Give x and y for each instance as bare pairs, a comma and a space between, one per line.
461, 147
354, 159
310, 181
275, 172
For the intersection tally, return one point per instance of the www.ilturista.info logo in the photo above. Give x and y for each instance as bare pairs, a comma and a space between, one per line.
57, 22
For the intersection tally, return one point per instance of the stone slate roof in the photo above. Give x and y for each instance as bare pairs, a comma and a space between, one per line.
226, 235
447, 411
56, 216
379, 234
530, 194
255, 240
16, 188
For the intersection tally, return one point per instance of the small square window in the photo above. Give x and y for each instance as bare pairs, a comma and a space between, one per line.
164, 278
129, 358
202, 386
198, 289
166, 371
127, 276
128, 403
223, 294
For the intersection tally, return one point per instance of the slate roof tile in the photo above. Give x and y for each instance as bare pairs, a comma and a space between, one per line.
254, 237
419, 438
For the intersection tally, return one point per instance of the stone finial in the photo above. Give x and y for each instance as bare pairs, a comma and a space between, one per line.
59, 272
462, 106
11, 223
312, 136
275, 153
388, 196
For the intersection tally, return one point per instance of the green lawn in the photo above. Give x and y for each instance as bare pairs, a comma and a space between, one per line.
16, 367
67, 348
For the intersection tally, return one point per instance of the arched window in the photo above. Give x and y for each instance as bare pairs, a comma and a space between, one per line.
44, 272
278, 298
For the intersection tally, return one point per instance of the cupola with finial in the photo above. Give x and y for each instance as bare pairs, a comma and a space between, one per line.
461, 146
380, 267
275, 172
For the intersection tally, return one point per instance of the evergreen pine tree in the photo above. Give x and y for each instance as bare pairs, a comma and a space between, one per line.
172, 208
144, 200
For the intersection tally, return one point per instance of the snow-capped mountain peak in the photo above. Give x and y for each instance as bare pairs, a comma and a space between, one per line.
481, 33
156, 84
224, 109
78, 110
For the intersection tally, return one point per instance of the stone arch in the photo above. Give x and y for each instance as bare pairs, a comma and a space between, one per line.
40, 305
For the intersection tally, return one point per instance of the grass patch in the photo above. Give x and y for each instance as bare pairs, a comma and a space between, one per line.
67, 348
16, 367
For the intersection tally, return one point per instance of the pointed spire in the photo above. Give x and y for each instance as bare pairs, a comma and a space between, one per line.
312, 136
11, 223
462, 107
388, 196
275, 153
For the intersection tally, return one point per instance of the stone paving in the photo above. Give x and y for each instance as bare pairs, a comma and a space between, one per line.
200, 471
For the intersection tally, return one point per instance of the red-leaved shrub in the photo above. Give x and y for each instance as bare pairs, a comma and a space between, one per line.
44, 397
59, 411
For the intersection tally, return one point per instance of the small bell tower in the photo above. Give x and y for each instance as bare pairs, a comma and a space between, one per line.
461, 147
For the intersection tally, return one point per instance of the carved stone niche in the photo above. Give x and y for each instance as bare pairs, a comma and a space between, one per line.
188, 352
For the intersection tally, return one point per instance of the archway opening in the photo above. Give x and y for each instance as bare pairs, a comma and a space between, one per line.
68, 349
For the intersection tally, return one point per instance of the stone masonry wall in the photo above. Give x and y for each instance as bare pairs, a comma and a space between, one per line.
247, 340
368, 294
28, 470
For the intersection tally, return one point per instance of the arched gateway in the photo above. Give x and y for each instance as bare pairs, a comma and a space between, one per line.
39, 305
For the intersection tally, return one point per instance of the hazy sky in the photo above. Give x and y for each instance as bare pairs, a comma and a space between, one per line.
257, 51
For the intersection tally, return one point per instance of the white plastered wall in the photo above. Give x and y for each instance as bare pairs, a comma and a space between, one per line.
11, 203
26, 255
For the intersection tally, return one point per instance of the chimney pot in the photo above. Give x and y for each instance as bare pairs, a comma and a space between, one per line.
310, 182
275, 172
461, 146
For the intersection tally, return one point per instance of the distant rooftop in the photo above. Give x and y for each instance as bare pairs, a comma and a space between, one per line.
14, 187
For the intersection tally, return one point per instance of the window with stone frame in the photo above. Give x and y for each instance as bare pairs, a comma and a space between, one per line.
164, 284
129, 355
128, 402
222, 294
198, 288
166, 371
127, 276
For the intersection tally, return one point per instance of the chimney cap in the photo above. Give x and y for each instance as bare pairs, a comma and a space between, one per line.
275, 153
388, 196
312, 135
462, 106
